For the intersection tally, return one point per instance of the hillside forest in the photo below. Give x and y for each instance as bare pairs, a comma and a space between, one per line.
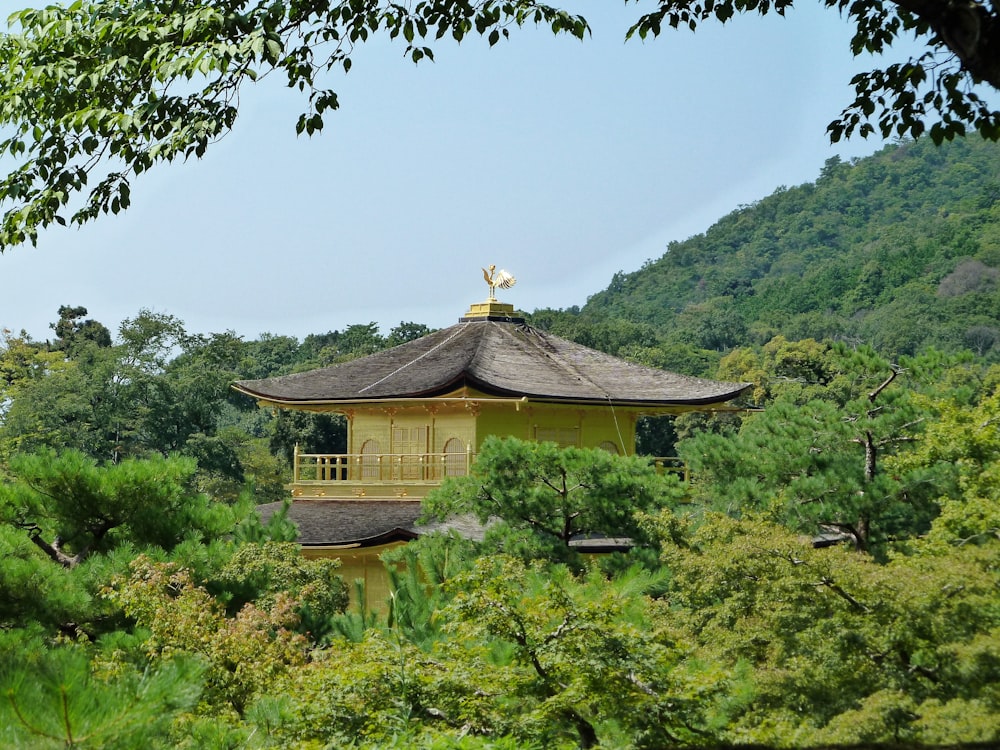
827, 572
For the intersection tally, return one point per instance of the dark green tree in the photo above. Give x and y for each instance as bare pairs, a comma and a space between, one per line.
312, 433
59, 698
406, 332
71, 331
33, 590
268, 355
184, 404
543, 497
71, 508
68, 524
814, 456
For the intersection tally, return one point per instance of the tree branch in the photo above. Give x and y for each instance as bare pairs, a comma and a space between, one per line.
557, 633
829, 583
644, 687
52, 551
892, 376
967, 28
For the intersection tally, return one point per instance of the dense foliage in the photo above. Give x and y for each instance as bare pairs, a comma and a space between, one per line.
933, 91
199, 628
828, 575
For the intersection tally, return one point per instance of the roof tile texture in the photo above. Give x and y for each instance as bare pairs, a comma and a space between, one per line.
498, 358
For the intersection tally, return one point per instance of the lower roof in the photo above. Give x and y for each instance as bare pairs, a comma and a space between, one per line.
374, 522
362, 523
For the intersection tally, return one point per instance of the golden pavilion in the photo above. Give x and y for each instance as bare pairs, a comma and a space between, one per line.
417, 413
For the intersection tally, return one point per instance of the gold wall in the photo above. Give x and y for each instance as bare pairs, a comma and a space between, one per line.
411, 429
361, 563
579, 426
429, 428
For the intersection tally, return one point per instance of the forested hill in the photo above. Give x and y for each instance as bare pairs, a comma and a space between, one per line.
900, 250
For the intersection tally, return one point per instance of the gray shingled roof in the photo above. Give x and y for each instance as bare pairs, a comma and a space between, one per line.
364, 522
368, 523
498, 358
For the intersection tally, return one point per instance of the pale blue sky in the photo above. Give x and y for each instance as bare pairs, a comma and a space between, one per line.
557, 160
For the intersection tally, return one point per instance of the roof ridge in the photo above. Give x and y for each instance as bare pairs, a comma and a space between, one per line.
469, 366
461, 327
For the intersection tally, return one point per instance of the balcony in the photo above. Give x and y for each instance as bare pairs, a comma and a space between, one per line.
366, 475
397, 475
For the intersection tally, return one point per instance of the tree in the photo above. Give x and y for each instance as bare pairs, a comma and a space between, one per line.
96, 93
259, 572
33, 590
154, 390
520, 655
23, 363
183, 401
961, 442
67, 525
268, 356
546, 624
59, 698
100, 398
70, 508
245, 654
406, 331
70, 331
313, 433
962, 43
814, 456
545, 497
833, 647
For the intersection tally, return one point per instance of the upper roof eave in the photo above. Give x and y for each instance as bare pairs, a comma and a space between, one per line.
512, 399
502, 359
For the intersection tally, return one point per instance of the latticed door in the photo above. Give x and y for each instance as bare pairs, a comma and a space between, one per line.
410, 445
370, 453
455, 458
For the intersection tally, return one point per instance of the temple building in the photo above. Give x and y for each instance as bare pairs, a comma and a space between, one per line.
417, 413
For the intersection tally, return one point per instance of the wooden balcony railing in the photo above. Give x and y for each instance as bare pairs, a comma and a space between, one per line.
321, 468
431, 468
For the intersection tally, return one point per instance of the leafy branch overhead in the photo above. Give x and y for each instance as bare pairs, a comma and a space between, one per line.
961, 48
97, 92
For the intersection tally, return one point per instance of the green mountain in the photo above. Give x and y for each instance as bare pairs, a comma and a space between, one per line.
900, 250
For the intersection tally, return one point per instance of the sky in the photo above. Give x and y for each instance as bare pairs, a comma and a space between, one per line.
558, 160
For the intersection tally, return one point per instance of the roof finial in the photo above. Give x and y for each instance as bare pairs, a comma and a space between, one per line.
496, 279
